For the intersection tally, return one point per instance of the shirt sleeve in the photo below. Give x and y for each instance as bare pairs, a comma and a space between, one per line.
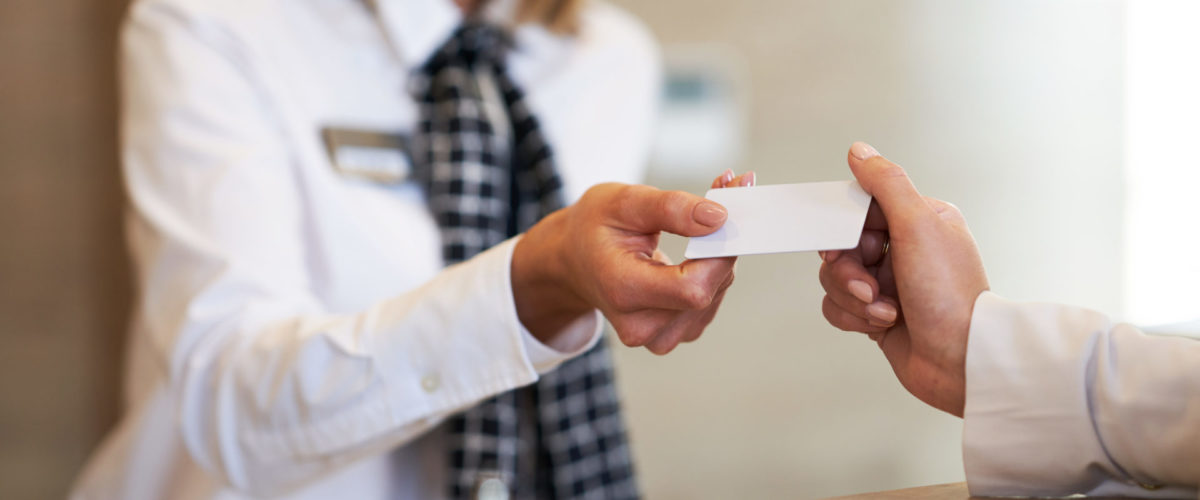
1060, 401
574, 340
271, 389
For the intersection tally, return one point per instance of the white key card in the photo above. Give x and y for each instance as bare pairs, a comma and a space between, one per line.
785, 218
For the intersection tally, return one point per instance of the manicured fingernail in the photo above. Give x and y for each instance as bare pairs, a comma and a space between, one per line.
884, 324
726, 177
862, 151
882, 311
710, 214
861, 291
748, 179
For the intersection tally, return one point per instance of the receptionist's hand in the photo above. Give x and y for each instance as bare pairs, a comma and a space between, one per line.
602, 253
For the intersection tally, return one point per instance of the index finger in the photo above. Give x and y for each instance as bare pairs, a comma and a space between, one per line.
690, 285
876, 221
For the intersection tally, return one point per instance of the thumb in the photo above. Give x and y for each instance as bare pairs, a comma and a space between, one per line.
887, 182
646, 210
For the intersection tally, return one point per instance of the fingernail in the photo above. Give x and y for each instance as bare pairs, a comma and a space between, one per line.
727, 176
748, 179
862, 151
875, 322
861, 291
882, 311
710, 214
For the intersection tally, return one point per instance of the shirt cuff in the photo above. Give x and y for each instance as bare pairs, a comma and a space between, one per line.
575, 339
1027, 430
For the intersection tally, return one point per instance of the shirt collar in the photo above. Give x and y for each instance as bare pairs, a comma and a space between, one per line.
416, 28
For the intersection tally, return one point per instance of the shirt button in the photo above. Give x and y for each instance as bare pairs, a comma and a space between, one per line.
430, 383
492, 489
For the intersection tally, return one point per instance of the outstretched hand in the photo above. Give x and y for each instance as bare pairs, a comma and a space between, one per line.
911, 284
602, 253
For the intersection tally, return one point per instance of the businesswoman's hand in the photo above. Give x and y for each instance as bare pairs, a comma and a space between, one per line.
916, 299
602, 253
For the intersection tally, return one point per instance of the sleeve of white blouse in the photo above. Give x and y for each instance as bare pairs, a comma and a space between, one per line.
272, 391
1060, 400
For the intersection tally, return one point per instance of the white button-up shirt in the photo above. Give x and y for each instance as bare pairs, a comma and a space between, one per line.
296, 333
1061, 400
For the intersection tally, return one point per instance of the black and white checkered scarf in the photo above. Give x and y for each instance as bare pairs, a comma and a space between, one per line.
489, 175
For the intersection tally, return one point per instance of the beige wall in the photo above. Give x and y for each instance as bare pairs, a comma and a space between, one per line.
1010, 109
63, 283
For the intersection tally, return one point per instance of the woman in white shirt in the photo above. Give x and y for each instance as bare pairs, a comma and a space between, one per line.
1056, 400
296, 334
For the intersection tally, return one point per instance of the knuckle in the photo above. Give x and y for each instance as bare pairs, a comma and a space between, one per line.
600, 192
871, 240
633, 335
843, 326
613, 293
660, 349
827, 307
845, 270
622, 196
673, 201
945, 208
846, 323
594, 191
838, 321
837, 270
695, 296
616, 297
625, 192
629, 340
828, 317
834, 314
825, 276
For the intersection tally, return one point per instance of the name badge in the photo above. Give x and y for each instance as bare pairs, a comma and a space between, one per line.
369, 155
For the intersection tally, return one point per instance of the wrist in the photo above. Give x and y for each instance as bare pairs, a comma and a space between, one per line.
951, 390
951, 395
546, 301
955, 367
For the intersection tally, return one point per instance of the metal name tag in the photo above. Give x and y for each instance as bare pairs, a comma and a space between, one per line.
370, 155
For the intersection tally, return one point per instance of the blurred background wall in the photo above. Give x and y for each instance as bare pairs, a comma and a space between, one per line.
1010, 108
64, 286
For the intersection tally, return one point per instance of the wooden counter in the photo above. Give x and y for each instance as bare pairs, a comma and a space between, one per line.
954, 491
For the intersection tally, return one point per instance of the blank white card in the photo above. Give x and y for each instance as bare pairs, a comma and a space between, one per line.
785, 218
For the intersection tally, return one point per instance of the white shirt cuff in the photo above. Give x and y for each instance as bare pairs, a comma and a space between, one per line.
1025, 422
1027, 430
575, 339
